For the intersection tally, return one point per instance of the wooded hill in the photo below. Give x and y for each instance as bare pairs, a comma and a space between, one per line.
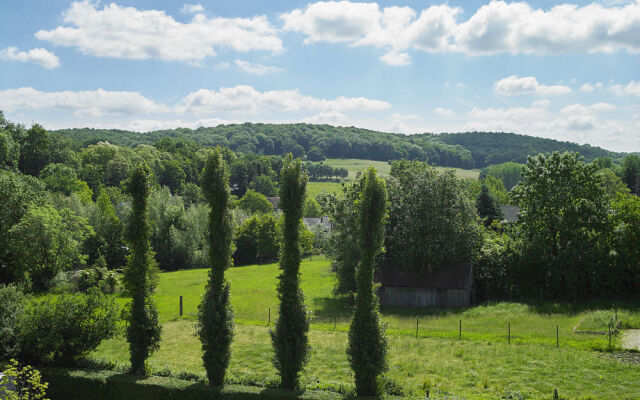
461, 150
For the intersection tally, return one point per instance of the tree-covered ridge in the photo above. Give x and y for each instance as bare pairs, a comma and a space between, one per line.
462, 150
489, 148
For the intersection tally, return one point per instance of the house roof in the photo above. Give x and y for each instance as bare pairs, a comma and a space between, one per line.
448, 277
510, 213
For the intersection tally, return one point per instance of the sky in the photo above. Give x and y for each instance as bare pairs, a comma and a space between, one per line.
567, 71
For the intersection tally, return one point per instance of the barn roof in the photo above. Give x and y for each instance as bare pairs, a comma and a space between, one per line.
449, 277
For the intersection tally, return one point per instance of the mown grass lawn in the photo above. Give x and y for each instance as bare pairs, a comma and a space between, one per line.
480, 366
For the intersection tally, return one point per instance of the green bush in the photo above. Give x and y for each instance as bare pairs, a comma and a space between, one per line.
11, 308
65, 327
25, 381
98, 276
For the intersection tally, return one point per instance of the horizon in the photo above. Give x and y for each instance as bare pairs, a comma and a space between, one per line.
559, 70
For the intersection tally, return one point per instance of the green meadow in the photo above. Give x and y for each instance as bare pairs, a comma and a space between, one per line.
478, 364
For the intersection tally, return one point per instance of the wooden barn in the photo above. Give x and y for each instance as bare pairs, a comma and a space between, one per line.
446, 287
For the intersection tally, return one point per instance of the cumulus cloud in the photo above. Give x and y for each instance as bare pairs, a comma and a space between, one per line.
256, 69
39, 56
632, 89
497, 27
586, 88
83, 103
126, 32
515, 86
246, 99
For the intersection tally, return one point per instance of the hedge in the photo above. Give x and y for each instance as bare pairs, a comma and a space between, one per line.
67, 384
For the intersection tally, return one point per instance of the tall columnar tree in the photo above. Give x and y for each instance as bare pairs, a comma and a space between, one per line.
487, 207
143, 330
215, 314
367, 349
290, 337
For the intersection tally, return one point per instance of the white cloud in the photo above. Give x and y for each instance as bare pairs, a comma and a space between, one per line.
396, 59
246, 99
256, 69
586, 88
222, 65
582, 109
192, 8
632, 89
39, 56
515, 86
497, 27
126, 32
330, 117
83, 103
444, 112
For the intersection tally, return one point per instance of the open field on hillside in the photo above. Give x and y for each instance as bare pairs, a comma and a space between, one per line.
481, 365
356, 165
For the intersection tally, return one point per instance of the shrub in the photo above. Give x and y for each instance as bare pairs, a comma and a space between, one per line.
65, 327
98, 276
26, 382
11, 308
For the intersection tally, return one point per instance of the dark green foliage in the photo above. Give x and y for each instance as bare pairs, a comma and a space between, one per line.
65, 327
321, 171
257, 240
255, 203
432, 221
563, 222
264, 184
487, 207
9, 150
510, 173
35, 151
172, 175
290, 336
316, 154
12, 302
143, 331
311, 208
631, 172
342, 245
215, 314
367, 348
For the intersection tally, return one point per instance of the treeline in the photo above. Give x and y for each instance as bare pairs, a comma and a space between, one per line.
575, 237
321, 171
70, 204
317, 142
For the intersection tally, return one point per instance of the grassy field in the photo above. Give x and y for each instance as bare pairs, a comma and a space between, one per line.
356, 165
479, 366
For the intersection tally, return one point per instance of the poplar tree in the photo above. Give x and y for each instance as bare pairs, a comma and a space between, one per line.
143, 330
290, 336
367, 348
215, 313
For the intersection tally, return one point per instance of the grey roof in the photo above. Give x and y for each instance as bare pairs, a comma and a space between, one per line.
452, 276
510, 213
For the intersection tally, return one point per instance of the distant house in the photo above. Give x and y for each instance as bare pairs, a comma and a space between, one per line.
446, 287
510, 213
311, 222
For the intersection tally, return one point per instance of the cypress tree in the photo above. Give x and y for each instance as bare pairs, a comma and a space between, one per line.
215, 314
290, 336
367, 348
143, 330
487, 207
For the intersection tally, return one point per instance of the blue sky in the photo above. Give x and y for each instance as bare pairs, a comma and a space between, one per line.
567, 71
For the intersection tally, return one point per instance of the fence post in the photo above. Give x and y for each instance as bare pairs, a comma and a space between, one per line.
334, 322
610, 336
460, 331
509, 333
557, 336
416, 327
181, 306
269, 323
555, 393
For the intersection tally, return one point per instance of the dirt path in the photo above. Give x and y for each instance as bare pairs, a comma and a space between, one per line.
631, 339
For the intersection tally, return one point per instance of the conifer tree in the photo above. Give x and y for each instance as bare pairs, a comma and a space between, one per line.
367, 348
143, 330
487, 207
290, 336
215, 313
